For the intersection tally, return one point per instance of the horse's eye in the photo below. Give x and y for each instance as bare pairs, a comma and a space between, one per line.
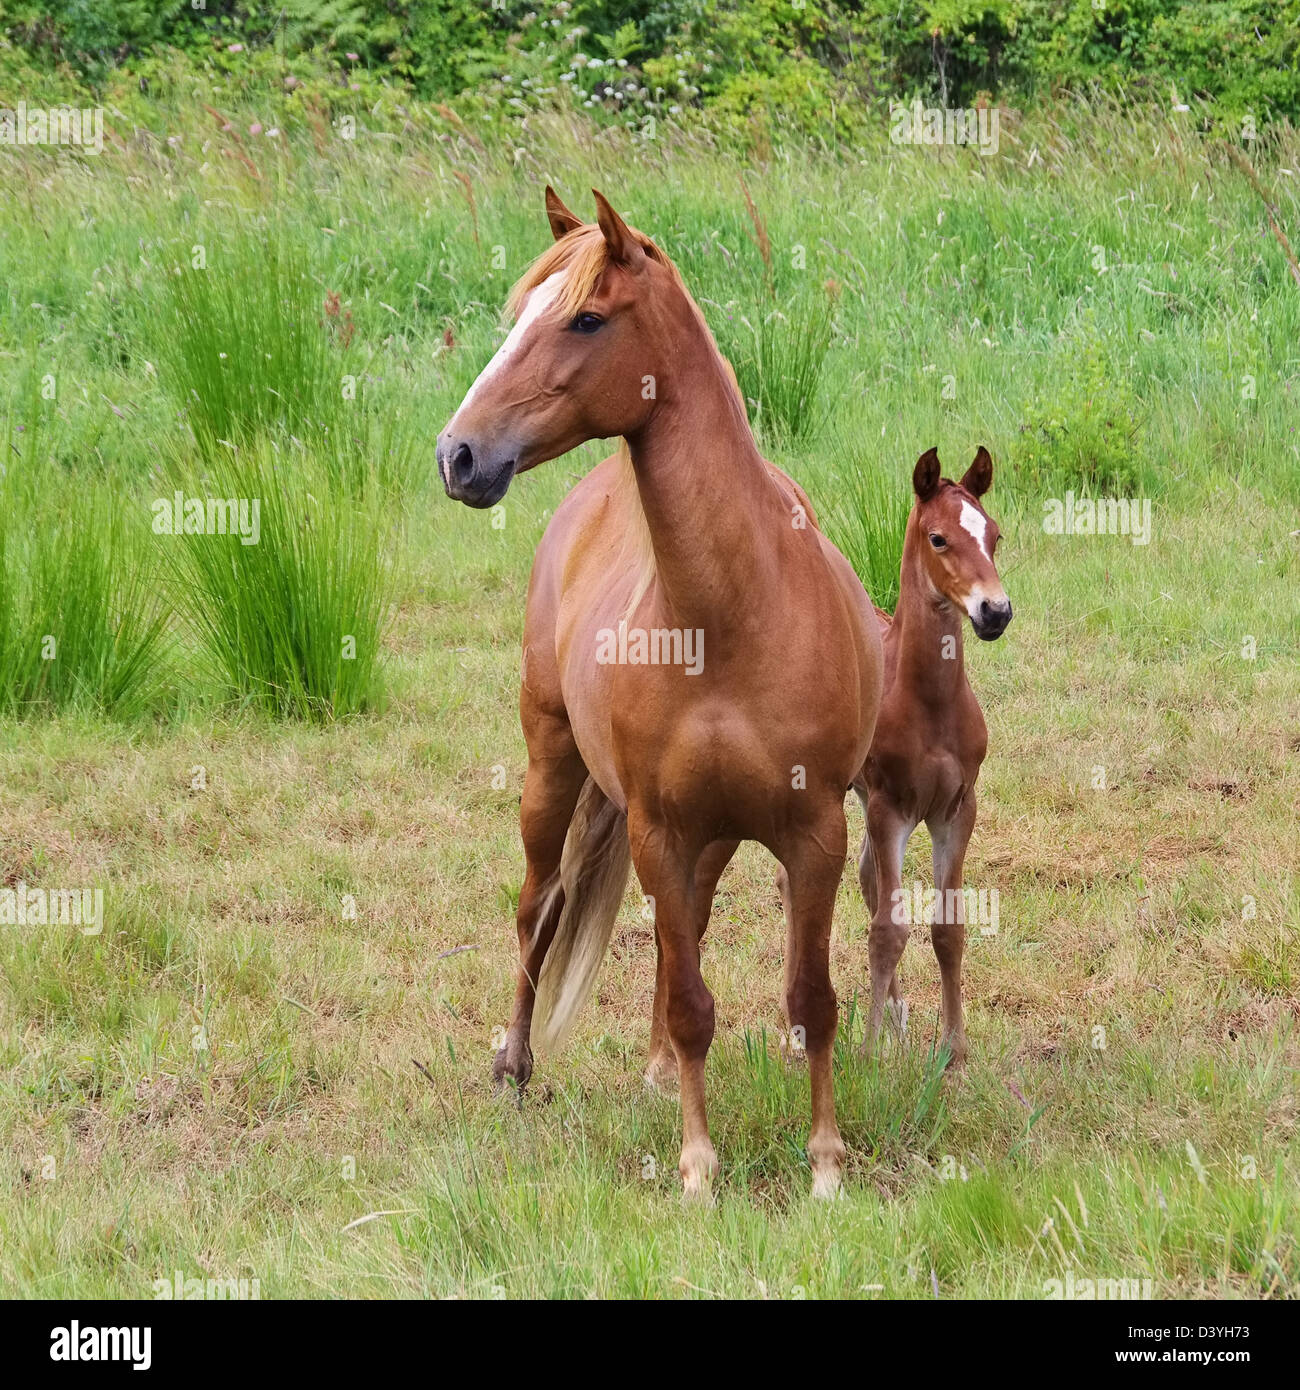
937, 540
587, 323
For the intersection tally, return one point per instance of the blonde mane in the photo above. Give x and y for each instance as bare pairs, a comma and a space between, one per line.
584, 256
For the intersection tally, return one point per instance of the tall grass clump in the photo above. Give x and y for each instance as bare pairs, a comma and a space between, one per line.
776, 334
249, 343
81, 622
863, 504
1086, 432
778, 355
293, 622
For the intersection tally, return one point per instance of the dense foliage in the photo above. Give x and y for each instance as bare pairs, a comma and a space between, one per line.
737, 59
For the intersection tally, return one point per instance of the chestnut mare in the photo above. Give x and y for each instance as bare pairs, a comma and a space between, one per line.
930, 738
701, 666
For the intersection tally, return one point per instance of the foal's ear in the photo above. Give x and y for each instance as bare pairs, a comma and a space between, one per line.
623, 245
561, 219
926, 475
979, 476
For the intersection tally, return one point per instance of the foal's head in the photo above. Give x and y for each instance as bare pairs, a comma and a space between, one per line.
591, 338
956, 540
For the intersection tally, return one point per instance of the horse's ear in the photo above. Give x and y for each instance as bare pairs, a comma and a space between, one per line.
623, 245
561, 219
926, 475
979, 476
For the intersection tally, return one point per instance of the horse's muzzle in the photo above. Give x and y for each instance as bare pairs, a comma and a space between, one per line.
992, 620
476, 478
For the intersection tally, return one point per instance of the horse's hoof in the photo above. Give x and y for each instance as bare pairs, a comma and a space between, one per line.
827, 1184
698, 1167
517, 1069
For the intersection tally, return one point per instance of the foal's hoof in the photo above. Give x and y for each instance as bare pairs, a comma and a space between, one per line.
898, 1011
512, 1064
661, 1072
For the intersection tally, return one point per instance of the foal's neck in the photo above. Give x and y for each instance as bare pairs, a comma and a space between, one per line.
709, 502
928, 630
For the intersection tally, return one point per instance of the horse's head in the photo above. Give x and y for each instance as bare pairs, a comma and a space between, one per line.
588, 344
956, 540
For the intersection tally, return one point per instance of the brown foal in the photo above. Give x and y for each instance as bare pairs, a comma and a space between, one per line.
684, 544
930, 737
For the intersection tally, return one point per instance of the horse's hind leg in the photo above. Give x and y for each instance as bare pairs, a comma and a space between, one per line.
948, 930
552, 783
662, 1066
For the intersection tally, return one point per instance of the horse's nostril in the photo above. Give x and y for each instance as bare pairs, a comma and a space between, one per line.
462, 463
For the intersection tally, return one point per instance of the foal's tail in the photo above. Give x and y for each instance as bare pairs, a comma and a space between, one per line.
593, 875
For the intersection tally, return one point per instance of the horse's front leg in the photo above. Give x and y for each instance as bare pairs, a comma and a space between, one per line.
948, 930
666, 867
813, 862
662, 1066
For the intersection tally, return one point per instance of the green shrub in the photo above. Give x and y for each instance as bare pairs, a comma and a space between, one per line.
1087, 434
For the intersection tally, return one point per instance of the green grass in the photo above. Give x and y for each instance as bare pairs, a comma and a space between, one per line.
222, 1082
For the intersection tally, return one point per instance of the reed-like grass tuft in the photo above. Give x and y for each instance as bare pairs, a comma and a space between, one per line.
863, 504
293, 622
81, 622
249, 343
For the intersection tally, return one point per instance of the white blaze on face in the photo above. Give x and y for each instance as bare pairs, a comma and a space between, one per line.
538, 301
976, 524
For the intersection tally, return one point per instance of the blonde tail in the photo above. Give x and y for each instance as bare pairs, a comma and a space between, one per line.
593, 875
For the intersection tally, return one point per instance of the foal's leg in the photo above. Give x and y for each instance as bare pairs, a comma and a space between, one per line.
813, 864
866, 860
662, 1066
666, 868
948, 935
889, 831
551, 787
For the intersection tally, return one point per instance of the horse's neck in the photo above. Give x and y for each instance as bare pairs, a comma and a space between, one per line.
709, 503
931, 658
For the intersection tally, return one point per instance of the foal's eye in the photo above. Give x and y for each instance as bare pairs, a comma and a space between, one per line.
587, 323
937, 541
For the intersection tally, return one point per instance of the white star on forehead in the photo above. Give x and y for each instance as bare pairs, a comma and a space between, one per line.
977, 524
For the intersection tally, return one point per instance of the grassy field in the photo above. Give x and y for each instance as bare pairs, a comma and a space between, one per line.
309, 860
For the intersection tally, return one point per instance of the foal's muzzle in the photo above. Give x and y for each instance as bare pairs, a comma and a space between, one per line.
991, 619
479, 478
